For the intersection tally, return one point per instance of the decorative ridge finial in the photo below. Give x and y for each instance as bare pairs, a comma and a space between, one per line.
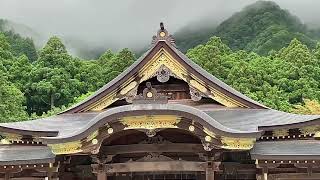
161, 26
163, 35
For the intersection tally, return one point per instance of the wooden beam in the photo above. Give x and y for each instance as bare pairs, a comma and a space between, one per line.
155, 166
295, 176
141, 148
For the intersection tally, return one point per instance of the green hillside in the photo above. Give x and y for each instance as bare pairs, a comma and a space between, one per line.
260, 27
19, 45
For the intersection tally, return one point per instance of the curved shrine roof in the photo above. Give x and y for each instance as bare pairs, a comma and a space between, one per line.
227, 120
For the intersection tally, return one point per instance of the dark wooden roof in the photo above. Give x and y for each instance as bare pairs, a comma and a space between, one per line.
287, 150
235, 122
18, 155
261, 119
150, 109
51, 126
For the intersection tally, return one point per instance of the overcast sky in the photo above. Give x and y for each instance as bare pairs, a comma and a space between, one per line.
129, 23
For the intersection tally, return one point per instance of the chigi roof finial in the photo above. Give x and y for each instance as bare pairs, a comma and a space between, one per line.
161, 26
163, 35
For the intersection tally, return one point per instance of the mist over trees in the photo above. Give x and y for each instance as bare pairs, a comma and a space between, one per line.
273, 60
260, 27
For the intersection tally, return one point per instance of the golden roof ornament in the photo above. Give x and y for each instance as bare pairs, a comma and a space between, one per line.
163, 35
150, 95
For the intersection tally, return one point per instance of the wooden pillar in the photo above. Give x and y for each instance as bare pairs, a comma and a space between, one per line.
265, 173
100, 171
101, 176
7, 176
209, 173
212, 166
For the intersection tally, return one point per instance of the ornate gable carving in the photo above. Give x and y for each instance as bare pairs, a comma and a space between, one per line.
163, 66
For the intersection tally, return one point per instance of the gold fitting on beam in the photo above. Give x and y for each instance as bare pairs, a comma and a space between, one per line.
208, 138
149, 95
110, 130
94, 141
191, 128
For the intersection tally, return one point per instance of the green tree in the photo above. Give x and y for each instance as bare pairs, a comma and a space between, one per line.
52, 82
308, 107
211, 56
22, 46
117, 64
12, 101
19, 72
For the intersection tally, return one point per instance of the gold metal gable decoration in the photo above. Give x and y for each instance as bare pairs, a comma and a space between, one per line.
8, 138
92, 136
280, 132
66, 148
310, 130
209, 133
237, 143
150, 121
162, 58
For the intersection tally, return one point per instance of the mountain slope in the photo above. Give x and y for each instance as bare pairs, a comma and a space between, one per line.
19, 45
260, 27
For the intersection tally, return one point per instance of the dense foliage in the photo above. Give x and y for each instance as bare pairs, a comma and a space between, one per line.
280, 80
19, 45
309, 107
54, 81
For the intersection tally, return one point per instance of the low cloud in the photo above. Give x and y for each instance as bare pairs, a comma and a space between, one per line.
128, 23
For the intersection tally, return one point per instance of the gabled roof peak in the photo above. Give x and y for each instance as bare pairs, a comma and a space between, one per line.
163, 35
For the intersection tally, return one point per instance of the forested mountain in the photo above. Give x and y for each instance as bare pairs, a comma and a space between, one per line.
197, 33
19, 45
260, 27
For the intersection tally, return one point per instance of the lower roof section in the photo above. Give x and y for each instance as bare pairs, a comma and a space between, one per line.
287, 150
19, 155
236, 121
49, 126
260, 119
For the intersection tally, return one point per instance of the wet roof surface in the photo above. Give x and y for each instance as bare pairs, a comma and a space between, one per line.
13, 155
289, 149
226, 119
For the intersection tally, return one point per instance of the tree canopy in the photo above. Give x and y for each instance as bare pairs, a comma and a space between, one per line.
280, 80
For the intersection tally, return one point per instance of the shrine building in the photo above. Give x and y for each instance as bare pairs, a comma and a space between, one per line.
163, 118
